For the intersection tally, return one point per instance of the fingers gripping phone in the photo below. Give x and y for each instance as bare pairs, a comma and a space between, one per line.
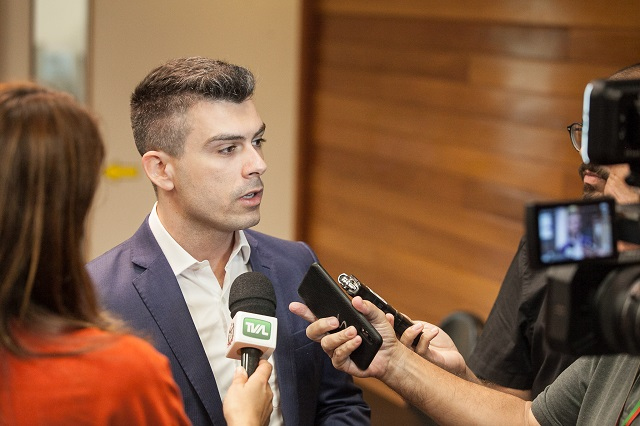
326, 298
354, 288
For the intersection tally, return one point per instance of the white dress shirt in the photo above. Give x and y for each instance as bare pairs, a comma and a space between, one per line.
208, 303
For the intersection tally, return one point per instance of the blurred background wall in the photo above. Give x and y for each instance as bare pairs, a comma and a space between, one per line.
404, 137
129, 38
428, 125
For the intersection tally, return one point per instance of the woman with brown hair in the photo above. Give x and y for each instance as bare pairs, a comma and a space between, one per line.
62, 359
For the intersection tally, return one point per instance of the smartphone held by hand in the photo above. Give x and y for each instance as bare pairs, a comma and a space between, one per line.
326, 298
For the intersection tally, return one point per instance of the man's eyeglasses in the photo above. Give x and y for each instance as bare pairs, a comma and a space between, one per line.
575, 132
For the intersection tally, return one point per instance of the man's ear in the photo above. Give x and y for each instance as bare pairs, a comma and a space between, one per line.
159, 170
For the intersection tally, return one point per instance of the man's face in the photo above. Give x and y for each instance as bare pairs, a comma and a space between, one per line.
217, 180
574, 223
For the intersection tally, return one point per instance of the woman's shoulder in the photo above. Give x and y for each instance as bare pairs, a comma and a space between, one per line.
108, 377
100, 354
124, 351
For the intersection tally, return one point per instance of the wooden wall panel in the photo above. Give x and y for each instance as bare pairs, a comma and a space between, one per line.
593, 13
480, 99
479, 148
606, 46
428, 125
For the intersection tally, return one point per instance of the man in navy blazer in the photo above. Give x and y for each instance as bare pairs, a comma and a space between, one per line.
201, 139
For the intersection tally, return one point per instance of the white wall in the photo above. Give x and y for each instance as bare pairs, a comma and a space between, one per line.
129, 38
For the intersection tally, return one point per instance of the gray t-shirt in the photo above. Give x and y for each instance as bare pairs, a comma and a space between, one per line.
594, 390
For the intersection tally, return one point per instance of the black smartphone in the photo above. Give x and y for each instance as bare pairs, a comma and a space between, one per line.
326, 298
354, 288
571, 232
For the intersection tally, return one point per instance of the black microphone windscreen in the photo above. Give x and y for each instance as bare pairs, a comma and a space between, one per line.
252, 292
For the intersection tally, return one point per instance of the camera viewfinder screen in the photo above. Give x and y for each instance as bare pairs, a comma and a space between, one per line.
575, 232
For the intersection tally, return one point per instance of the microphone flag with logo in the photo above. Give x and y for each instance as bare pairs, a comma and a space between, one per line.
254, 328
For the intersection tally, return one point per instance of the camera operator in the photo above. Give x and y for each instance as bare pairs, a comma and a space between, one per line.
512, 354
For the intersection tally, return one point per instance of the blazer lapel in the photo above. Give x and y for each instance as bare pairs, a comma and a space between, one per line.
162, 296
262, 261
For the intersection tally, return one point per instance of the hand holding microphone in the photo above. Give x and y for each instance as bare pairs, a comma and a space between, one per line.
253, 330
254, 389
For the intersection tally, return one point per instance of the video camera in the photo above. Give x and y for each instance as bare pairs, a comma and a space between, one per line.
593, 292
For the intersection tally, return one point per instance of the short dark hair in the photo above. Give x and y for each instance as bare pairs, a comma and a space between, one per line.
632, 72
160, 102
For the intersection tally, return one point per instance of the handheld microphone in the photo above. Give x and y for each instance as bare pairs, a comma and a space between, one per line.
355, 288
254, 328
